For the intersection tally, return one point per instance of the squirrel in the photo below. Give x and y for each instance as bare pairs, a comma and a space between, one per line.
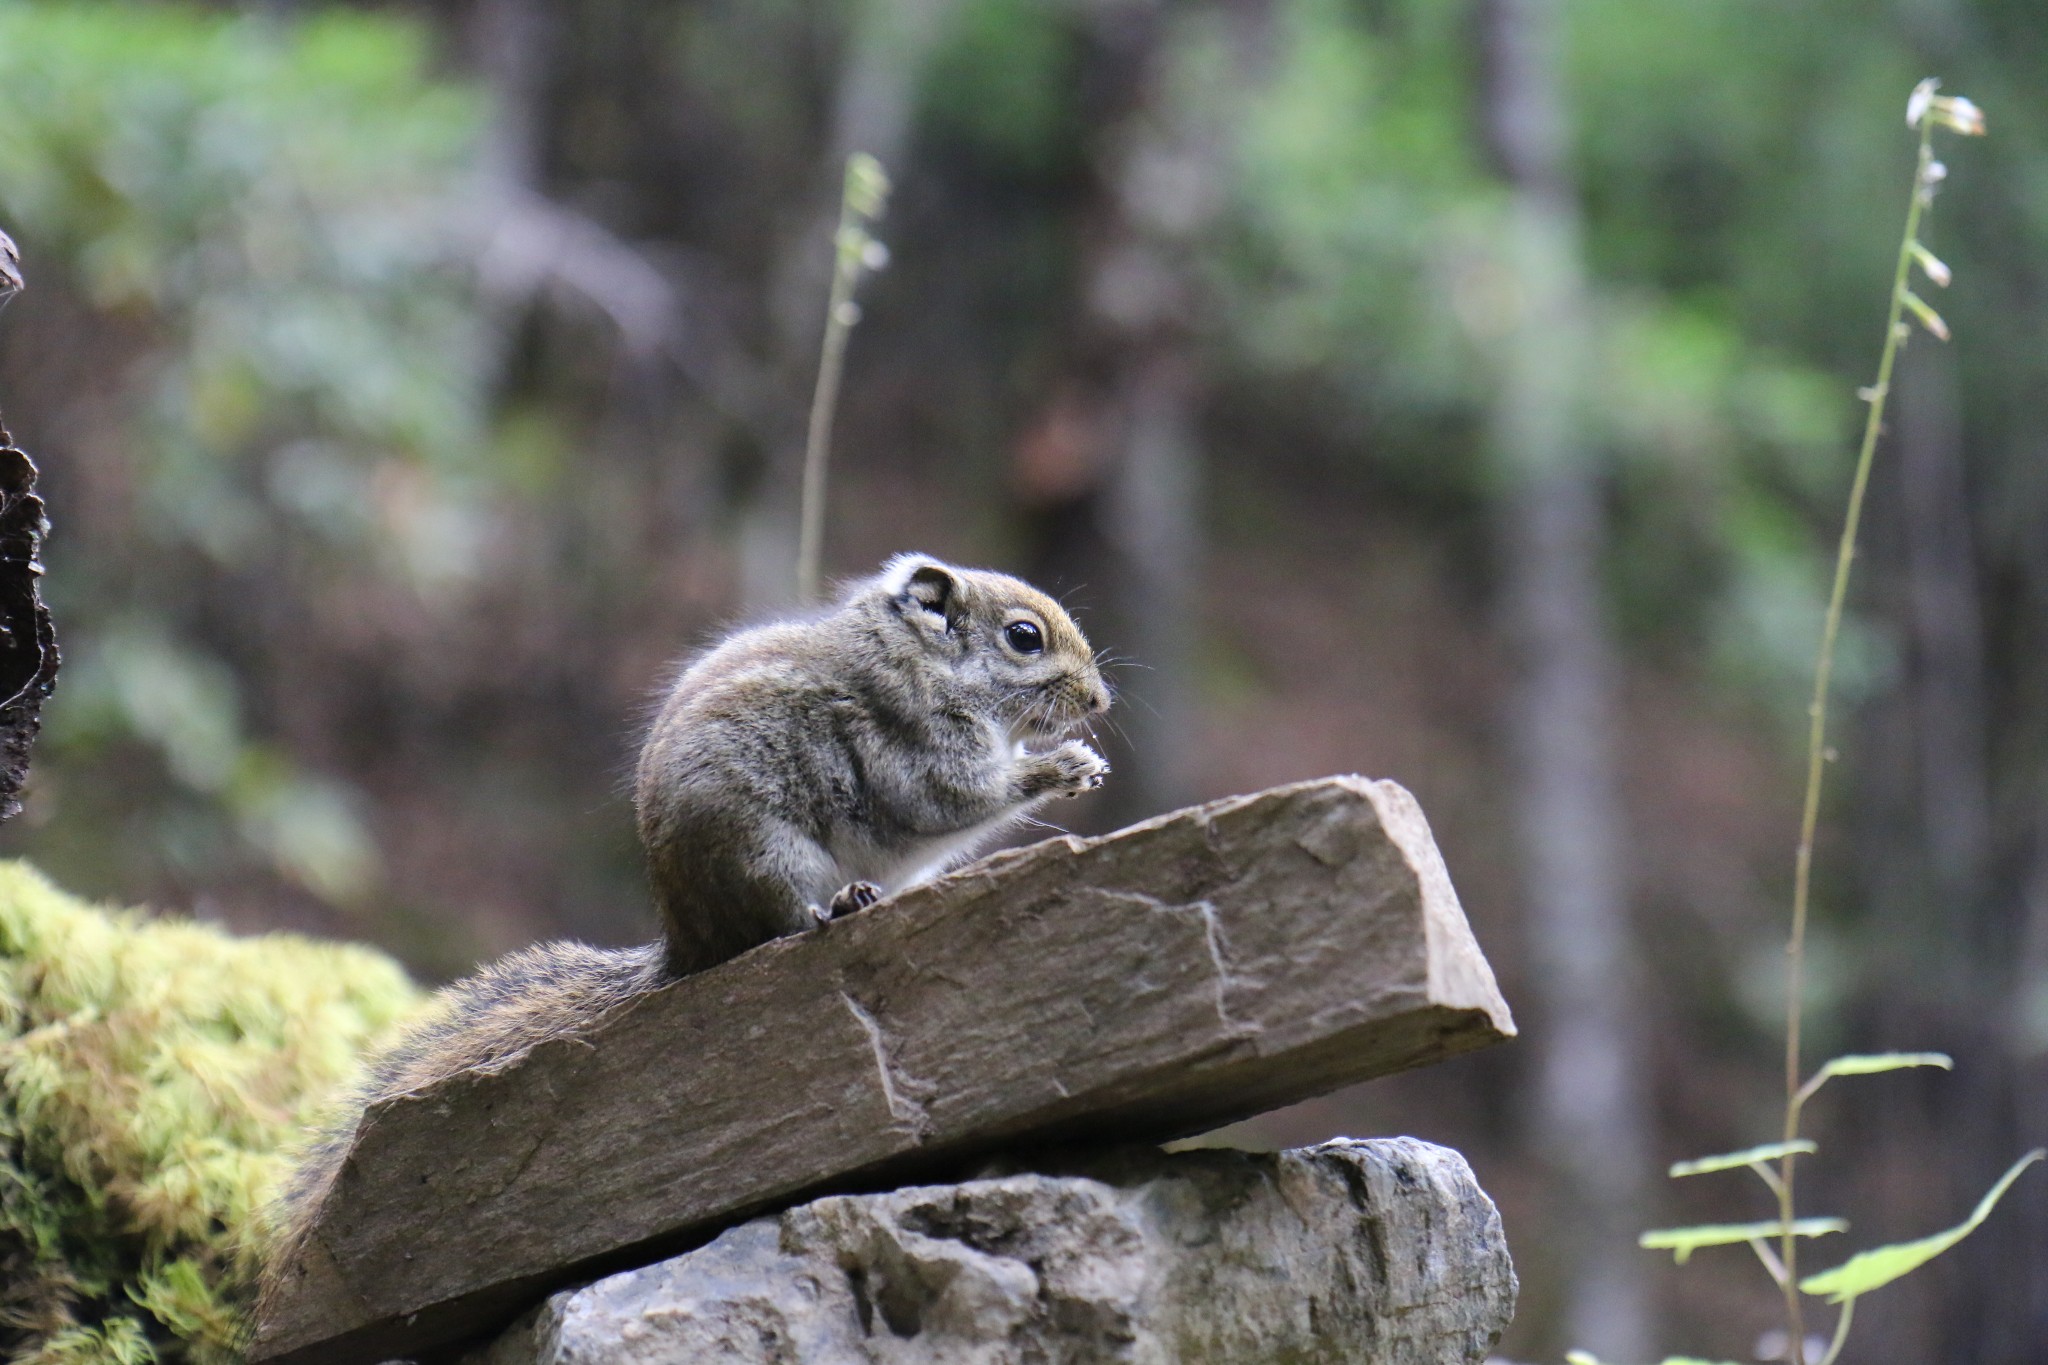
794, 774
799, 770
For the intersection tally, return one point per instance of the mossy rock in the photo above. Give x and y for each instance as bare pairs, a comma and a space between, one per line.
155, 1076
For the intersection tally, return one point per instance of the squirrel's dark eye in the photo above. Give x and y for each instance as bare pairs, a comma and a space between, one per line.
1024, 637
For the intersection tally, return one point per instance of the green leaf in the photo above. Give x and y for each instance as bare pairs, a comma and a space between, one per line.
1870, 1064
1868, 1270
1729, 1161
1581, 1358
1683, 1242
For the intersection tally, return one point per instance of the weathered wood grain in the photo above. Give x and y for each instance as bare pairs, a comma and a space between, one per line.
1186, 972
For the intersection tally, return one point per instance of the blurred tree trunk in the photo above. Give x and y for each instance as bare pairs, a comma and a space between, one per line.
1970, 973
873, 104
2022, 1269
1947, 627
1109, 470
1956, 948
1589, 1111
1952, 856
537, 248
510, 38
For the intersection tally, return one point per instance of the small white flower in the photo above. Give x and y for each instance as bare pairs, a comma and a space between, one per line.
1929, 319
1922, 97
1962, 115
1932, 265
1950, 111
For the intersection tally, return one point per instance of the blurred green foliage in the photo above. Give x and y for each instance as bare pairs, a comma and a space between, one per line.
153, 1077
329, 523
1365, 260
275, 219
279, 199
999, 83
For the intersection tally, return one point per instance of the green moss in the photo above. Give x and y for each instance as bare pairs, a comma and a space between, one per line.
154, 1077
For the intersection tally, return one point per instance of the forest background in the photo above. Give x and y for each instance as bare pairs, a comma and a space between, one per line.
1461, 393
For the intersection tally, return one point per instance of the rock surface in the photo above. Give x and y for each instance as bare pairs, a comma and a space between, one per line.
1371, 1253
1201, 967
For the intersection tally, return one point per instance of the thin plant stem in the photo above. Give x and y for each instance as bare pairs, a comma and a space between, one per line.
1817, 755
865, 188
1772, 1266
1841, 1331
839, 320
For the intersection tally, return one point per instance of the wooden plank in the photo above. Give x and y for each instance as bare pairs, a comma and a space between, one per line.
1184, 973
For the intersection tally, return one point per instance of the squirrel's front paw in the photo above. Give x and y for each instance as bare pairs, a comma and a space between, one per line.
852, 897
1076, 768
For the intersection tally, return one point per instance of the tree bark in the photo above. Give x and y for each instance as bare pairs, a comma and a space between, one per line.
28, 641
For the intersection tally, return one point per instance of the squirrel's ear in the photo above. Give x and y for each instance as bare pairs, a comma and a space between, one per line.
926, 587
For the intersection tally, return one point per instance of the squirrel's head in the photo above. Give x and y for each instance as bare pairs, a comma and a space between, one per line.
1000, 638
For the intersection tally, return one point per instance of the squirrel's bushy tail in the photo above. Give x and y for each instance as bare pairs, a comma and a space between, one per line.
480, 1023
538, 994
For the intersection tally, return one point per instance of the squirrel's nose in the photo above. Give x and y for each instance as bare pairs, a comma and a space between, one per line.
1098, 700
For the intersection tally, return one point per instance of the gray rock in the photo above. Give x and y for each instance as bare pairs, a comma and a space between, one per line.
1196, 969
1384, 1252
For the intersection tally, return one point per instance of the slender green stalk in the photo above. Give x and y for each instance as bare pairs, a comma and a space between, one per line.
1847, 1315
853, 251
1816, 747
817, 447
